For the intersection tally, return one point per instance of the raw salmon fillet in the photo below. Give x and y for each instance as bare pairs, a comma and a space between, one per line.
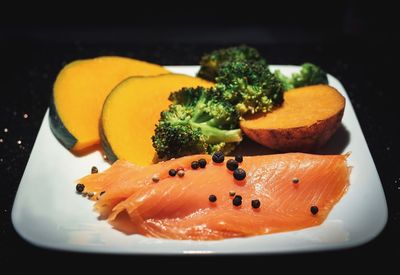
179, 207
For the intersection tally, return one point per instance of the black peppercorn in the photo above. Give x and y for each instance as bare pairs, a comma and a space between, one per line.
80, 187
237, 201
202, 163
239, 158
172, 172
212, 198
239, 174
232, 164
255, 204
195, 165
314, 209
218, 157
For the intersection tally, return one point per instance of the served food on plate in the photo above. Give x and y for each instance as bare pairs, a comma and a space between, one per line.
79, 93
160, 130
202, 198
131, 111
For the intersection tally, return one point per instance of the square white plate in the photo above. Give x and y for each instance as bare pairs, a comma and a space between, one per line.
48, 213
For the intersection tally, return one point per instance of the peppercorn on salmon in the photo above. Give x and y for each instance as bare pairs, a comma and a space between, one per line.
276, 193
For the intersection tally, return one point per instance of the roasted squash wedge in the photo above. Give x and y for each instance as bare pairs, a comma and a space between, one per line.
307, 119
131, 112
79, 93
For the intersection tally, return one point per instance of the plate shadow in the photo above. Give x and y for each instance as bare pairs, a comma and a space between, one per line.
336, 145
338, 142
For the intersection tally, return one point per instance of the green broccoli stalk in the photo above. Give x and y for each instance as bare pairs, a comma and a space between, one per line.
309, 74
197, 122
211, 62
251, 87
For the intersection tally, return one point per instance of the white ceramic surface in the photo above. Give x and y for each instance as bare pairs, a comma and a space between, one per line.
47, 212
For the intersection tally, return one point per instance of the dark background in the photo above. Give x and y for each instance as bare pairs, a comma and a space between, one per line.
356, 42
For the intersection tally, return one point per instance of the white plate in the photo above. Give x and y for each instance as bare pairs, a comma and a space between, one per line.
48, 213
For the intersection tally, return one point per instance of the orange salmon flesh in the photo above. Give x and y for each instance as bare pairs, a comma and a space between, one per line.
179, 207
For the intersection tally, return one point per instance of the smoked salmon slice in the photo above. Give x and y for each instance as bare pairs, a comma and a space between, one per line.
124, 178
179, 207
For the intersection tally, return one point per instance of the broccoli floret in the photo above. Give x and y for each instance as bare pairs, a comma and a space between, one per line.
309, 74
211, 62
206, 105
286, 81
197, 122
177, 139
251, 87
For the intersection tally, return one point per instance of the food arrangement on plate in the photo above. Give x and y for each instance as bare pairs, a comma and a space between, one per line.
172, 141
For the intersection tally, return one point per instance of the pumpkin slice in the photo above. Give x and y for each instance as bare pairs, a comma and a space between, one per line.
307, 119
79, 93
131, 112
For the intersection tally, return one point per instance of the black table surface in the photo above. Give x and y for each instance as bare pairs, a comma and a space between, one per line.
30, 63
